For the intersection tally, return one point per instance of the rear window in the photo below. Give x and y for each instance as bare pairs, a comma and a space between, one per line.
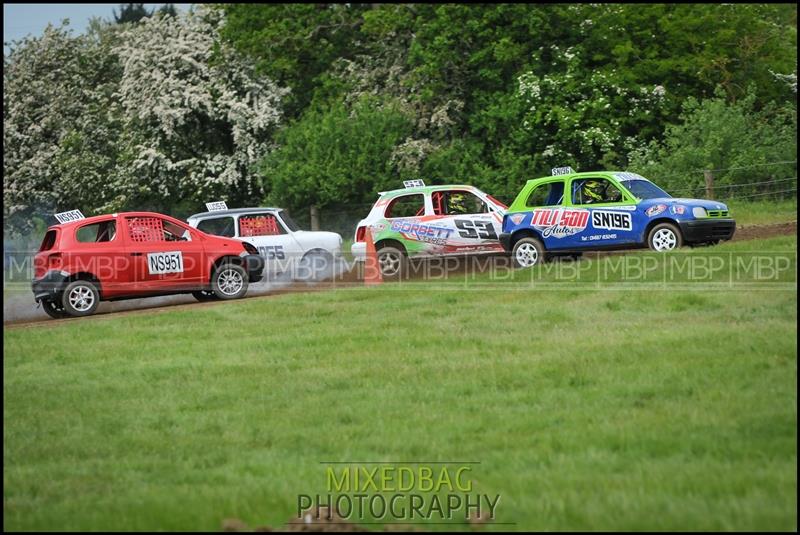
259, 225
218, 226
549, 194
406, 206
49, 240
97, 232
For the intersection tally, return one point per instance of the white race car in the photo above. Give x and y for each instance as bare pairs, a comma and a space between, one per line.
278, 239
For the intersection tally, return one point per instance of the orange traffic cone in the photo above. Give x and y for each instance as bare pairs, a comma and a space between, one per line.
372, 271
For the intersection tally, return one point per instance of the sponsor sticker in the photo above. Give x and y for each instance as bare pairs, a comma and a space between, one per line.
516, 218
167, 262
424, 233
611, 220
72, 215
655, 210
216, 206
677, 209
559, 222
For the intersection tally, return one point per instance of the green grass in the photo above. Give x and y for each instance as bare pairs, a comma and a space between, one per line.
588, 406
763, 212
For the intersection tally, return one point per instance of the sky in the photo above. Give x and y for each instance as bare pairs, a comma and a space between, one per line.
20, 20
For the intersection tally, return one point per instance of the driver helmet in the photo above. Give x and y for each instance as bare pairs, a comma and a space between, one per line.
592, 191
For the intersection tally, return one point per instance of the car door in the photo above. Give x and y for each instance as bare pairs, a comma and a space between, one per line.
475, 224
102, 252
165, 255
611, 212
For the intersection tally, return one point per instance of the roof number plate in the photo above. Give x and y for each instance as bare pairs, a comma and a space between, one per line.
561, 171
216, 206
414, 183
72, 215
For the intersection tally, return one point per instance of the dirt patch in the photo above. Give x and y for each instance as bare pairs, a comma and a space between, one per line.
760, 232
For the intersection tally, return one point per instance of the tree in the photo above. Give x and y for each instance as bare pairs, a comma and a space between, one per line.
133, 116
741, 143
131, 13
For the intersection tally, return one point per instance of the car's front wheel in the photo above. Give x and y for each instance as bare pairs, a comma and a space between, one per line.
664, 237
528, 252
80, 298
229, 281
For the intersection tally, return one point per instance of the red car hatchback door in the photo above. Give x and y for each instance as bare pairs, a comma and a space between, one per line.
164, 254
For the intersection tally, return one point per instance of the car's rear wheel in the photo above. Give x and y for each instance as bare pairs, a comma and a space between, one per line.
80, 298
205, 295
229, 281
664, 237
54, 309
317, 265
528, 252
392, 262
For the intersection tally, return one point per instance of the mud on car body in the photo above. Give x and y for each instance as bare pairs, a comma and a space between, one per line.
430, 221
575, 212
276, 236
136, 254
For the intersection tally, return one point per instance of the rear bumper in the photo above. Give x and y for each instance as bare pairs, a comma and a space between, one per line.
505, 241
254, 265
707, 230
359, 250
50, 286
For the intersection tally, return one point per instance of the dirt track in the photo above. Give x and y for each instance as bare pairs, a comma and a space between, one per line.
278, 287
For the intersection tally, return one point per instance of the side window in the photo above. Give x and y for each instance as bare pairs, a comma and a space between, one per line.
549, 194
406, 206
455, 202
259, 225
594, 191
218, 226
104, 231
155, 230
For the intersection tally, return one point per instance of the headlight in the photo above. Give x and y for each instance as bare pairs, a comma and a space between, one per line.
699, 212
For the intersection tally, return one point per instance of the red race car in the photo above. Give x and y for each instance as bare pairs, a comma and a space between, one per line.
83, 261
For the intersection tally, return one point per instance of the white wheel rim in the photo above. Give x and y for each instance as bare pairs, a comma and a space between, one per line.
389, 263
527, 255
230, 282
664, 240
81, 298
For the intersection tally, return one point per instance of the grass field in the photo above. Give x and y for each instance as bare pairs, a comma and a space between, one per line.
589, 404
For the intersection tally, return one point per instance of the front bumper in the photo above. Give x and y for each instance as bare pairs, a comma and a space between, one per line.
50, 286
254, 265
707, 230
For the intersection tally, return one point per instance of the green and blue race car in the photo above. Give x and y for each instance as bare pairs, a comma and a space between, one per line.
571, 212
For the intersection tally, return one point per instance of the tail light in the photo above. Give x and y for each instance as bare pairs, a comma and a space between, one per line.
360, 232
54, 261
250, 248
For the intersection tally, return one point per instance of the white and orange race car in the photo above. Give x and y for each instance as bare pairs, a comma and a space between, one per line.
430, 221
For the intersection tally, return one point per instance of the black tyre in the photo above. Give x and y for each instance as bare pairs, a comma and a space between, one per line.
54, 309
205, 295
80, 298
392, 262
664, 237
528, 252
229, 281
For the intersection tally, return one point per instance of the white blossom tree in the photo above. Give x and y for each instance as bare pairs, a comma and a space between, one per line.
157, 115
